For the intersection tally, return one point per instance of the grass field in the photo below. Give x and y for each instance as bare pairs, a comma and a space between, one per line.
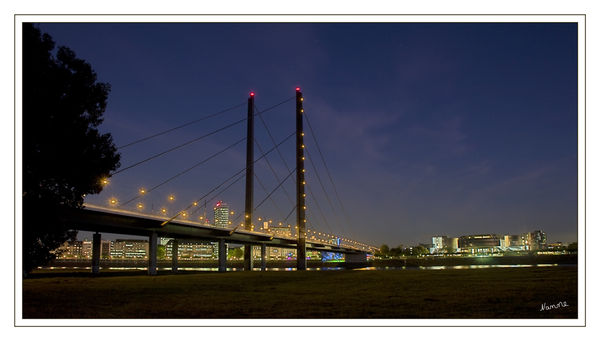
468, 293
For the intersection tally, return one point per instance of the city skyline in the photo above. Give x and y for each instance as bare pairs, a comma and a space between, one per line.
474, 129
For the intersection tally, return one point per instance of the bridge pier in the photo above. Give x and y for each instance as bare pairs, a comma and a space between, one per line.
96, 244
263, 257
222, 256
175, 255
152, 248
248, 264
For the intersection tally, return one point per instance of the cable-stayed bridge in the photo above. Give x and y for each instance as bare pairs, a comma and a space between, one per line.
314, 232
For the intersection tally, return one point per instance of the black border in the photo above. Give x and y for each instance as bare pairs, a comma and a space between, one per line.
312, 15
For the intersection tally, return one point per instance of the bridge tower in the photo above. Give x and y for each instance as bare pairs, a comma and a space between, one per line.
300, 182
249, 181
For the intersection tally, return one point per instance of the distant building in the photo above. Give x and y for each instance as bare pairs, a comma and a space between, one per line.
480, 243
443, 244
453, 245
69, 250
129, 249
439, 244
528, 241
515, 242
280, 231
490, 243
313, 255
105, 247
556, 246
537, 240
221, 212
193, 250
279, 253
332, 256
86, 249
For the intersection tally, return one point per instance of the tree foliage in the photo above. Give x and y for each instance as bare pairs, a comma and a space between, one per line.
419, 250
384, 251
235, 253
64, 154
397, 251
161, 252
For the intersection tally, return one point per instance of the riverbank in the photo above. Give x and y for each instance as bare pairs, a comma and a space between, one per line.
480, 260
427, 261
469, 293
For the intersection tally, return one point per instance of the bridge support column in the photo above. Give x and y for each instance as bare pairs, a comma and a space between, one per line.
175, 255
248, 264
263, 257
152, 250
222, 256
96, 244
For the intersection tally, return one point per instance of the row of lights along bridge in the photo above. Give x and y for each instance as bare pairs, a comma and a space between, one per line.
266, 227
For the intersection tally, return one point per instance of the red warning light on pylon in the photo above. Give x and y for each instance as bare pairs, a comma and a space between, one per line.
252, 94
298, 89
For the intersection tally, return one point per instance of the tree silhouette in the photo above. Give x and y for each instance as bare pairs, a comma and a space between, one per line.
64, 155
384, 250
396, 251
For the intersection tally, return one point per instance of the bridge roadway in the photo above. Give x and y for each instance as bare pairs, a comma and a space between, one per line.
112, 220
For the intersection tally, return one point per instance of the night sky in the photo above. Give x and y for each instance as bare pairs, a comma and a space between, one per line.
427, 129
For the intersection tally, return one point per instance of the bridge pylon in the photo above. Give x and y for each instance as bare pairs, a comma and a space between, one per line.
300, 183
249, 181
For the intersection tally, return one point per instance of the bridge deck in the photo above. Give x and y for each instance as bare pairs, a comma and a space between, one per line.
111, 220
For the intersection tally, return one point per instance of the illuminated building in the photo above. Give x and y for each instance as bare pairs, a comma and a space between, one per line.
537, 240
528, 241
490, 243
105, 247
86, 249
280, 231
556, 246
331, 256
313, 255
221, 211
69, 250
516, 242
453, 245
280, 253
129, 248
439, 244
443, 244
193, 249
480, 243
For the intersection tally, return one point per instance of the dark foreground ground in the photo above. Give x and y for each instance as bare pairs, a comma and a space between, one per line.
468, 293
